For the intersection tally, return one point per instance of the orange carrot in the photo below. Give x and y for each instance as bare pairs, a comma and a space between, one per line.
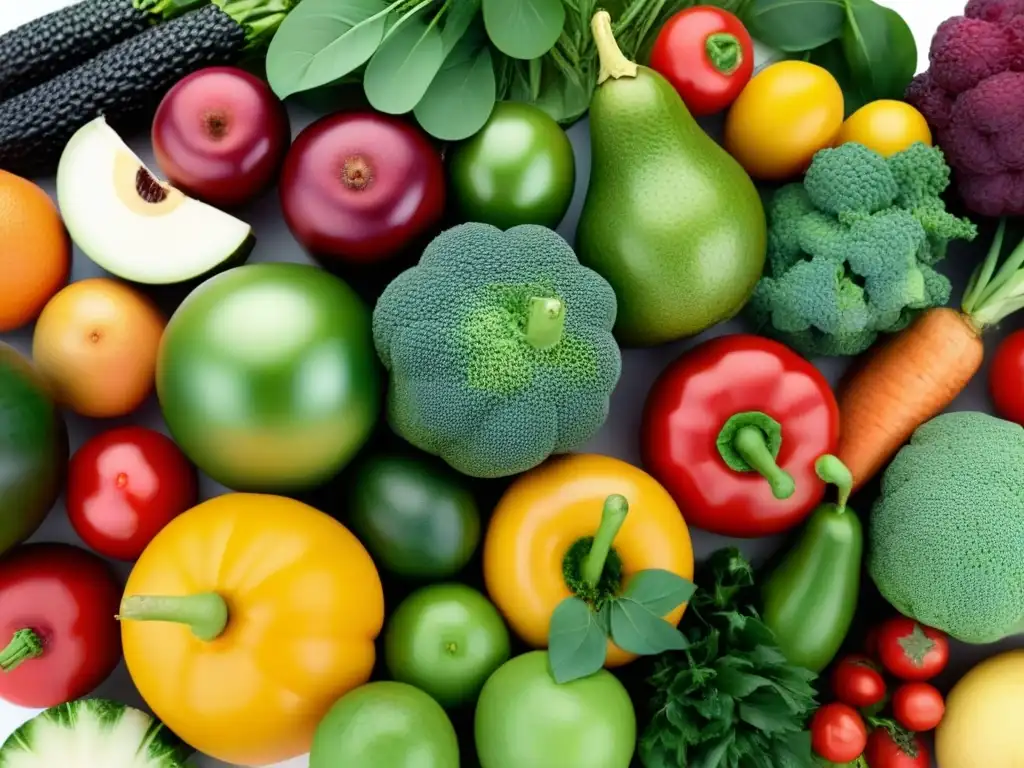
914, 375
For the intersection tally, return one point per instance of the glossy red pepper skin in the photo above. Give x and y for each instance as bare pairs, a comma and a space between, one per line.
693, 399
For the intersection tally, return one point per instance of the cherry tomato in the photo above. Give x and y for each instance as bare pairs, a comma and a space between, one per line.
124, 486
856, 681
883, 751
57, 608
708, 56
838, 733
918, 706
1006, 378
911, 651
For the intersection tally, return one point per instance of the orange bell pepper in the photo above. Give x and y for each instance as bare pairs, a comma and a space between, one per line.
541, 518
245, 619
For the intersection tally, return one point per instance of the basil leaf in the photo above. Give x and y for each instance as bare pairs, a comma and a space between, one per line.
461, 96
880, 49
636, 630
404, 65
524, 29
321, 41
659, 591
577, 646
795, 25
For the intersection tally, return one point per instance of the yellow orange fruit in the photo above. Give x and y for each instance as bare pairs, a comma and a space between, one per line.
886, 126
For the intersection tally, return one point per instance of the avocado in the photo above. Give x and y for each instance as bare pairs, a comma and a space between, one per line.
33, 449
135, 226
670, 220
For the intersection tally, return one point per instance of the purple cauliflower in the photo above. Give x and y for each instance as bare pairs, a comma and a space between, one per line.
973, 98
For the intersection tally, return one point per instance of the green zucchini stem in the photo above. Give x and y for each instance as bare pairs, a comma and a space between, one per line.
24, 645
831, 470
206, 613
613, 515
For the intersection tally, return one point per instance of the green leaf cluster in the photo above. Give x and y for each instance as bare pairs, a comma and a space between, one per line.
730, 699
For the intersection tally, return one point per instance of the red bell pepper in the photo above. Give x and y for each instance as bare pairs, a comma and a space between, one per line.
732, 430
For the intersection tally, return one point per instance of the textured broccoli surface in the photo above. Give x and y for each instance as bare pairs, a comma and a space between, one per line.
851, 250
499, 349
946, 541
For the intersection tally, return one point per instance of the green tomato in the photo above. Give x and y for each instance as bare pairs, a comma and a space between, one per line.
267, 377
385, 725
519, 169
524, 719
446, 639
415, 515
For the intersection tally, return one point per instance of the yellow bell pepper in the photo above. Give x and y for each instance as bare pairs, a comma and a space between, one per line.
245, 619
535, 534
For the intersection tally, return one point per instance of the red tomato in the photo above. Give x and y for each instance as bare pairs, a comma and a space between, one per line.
838, 733
856, 681
883, 751
124, 486
1006, 378
57, 608
911, 651
918, 706
708, 56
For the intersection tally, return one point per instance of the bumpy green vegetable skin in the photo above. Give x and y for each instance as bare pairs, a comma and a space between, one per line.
851, 249
946, 538
499, 349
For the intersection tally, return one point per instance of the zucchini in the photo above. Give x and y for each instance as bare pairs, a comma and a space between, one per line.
125, 83
52, 44
93, 733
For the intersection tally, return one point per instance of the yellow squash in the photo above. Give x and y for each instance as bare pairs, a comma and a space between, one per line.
547, 510
245, 619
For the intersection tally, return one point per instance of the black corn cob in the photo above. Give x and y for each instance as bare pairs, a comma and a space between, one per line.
125, 83
57, 42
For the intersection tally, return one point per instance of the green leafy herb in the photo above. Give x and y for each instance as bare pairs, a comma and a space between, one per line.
578, 643
730, 699
879, 48
524, 29
795, 25
405, 64
636, 629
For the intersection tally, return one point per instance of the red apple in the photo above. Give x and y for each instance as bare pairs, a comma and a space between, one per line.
220, 135
360, 186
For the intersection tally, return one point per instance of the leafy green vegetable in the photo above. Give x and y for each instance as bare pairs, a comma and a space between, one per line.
879, 48
730, 699
578, 644
796, 25
524, 29
402, 69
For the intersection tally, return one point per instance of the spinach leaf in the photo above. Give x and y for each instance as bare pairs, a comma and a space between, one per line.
880, 49
456, 21
524, 29
795, 25
405, 63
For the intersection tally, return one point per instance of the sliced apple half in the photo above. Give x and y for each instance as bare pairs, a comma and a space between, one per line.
135, 226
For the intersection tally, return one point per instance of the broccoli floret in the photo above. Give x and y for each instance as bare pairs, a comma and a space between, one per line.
499, 348
946, 538
851, 249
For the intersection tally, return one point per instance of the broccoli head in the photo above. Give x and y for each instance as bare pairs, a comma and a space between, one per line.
973, 98
946, 537
851, 250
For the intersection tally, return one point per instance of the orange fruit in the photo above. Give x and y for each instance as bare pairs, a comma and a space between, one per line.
35, 252
96, 344
885, 126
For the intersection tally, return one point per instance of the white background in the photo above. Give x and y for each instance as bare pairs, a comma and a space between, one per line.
923, 17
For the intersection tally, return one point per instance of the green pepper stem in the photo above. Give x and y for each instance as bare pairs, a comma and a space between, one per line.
612, 517
613, 62
751, 444
545, 322
206, 614
724, 52
831, 470
24, 645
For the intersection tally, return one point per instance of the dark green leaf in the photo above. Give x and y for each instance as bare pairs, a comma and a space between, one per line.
524, 29
636, 630
879, 49
576, 645
321, 41
795, 25
736, 682
715, 757
456, 22
461, 96
658, 590
768, 713
404, 65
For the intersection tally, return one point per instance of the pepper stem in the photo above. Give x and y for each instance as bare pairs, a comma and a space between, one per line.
751, 444
545, 322
613, 62
724, 52
24, 645
206, 614
612, 517
831, 470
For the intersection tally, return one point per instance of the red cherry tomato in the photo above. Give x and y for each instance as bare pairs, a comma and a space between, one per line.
57, 608
856, 681
1006, 378
883, 751
918, 706
838, 733
124, 486
911, 651
708, 56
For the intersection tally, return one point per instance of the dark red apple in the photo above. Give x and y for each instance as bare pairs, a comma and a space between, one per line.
360, 186
220, 135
